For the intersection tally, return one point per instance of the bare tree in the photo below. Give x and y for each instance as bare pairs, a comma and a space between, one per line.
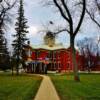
88, 51
93, 10
65, 9
5, 7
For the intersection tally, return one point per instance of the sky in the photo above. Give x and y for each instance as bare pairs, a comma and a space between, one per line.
38, 17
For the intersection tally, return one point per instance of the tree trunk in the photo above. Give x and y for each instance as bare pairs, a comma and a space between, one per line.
17, 69
17, 66
12, 70
74, 61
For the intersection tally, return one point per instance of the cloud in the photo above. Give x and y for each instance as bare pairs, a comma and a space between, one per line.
34, 36
32, 31
37, 14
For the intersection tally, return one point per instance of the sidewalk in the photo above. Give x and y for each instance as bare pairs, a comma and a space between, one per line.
46, 90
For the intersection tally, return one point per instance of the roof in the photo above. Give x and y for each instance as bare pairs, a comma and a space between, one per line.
46, 47
55, 47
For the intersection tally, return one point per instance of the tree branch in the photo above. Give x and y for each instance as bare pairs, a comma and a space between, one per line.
69, 15
67, 10
61, 11
61, 31
93, 19
81, 17
97, 4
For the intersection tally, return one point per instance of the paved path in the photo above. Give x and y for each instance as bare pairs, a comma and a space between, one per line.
46, 90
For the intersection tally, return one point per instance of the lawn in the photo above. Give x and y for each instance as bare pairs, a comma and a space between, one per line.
23, 87
87, 89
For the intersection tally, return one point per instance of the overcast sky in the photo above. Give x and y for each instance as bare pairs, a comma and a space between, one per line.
38, 15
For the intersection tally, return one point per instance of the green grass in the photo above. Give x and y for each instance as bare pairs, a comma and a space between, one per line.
68, 89
23, 87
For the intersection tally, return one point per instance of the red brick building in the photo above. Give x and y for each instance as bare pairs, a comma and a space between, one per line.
55, 58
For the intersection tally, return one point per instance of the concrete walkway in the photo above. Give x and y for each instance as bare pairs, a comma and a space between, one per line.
46, 90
